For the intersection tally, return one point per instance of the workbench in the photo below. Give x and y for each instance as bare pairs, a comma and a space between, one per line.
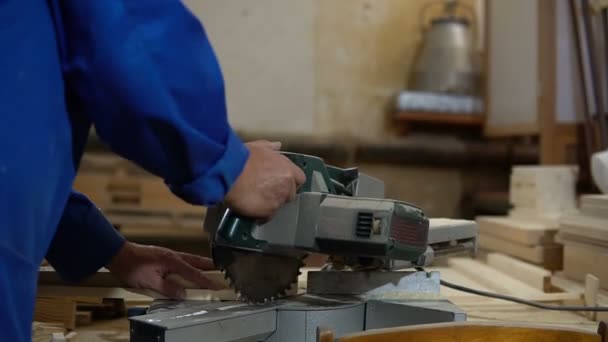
477, 308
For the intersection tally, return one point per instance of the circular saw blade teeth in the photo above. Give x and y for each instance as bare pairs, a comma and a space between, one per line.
259, 278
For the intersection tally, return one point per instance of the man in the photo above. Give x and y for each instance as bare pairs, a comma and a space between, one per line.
144, 75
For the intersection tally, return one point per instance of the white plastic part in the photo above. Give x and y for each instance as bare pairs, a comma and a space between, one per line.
599, 170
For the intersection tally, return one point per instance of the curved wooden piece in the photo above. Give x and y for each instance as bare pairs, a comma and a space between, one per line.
474, 332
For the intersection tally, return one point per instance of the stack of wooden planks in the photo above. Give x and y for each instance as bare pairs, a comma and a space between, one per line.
539, 195
137, 203
500, 273
584, 234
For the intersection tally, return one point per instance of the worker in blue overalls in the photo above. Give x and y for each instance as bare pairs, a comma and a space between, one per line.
144, 75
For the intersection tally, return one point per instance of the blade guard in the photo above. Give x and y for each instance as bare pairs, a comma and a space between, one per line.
236, 231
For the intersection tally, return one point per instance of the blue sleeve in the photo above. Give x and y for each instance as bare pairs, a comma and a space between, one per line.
146, 75
84, 241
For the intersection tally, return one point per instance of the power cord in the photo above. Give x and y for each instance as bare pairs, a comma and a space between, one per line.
520, 300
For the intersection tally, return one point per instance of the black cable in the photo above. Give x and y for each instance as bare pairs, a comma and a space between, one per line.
520, 300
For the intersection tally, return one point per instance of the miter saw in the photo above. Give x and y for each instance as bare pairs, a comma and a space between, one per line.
344, 214
337, 212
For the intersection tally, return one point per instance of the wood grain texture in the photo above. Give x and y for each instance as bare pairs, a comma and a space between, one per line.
466, 331
56, 309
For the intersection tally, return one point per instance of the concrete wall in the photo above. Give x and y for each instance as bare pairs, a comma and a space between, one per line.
313, 66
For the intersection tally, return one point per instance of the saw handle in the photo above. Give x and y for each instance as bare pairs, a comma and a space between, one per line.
236, 230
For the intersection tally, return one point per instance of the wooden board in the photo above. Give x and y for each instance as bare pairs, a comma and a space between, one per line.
441, 118
595, 228
535, 276
491, 277
56, 309
594, 205
581, 259
521, 231
549, 256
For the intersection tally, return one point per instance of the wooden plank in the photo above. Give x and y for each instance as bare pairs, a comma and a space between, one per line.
561, 282
526, 214
549, 256
592, 287
492, 278
522, 231
595, 228
564, 236
56, 309
42, 331
442, 118
535, 276
581, 259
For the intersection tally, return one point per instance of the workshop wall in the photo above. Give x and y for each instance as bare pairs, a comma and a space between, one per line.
314, 66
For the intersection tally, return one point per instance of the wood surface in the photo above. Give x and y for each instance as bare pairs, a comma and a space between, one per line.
535, 276
592, 287
581, 259
56, 309
595, 228
441, 118
594, 205
42, 331
467, 331
549, 256
523, 231
491, 277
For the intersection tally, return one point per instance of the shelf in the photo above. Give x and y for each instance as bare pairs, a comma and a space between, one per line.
441, 118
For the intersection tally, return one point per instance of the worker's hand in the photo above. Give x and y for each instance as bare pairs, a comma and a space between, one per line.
268, 181
160, 269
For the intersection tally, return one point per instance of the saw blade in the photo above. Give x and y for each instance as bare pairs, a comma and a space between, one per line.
257, 277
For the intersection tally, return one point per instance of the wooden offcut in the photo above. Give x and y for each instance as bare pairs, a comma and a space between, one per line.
56, 309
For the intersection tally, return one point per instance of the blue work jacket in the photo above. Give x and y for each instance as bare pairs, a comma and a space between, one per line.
144, 75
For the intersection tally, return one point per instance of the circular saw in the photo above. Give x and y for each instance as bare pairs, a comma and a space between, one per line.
338, 212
